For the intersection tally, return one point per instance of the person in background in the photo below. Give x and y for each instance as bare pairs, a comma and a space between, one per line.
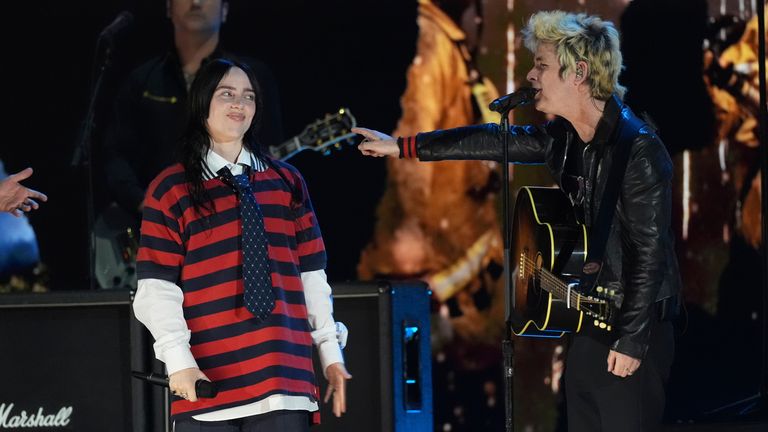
149, 112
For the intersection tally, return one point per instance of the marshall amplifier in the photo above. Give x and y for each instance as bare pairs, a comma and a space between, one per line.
388, 354
66, 361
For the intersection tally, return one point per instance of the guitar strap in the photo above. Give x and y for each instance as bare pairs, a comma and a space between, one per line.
601, 228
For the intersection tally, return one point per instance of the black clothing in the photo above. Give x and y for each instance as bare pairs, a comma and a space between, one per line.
596, 400
283, 420
149, 116
640, 249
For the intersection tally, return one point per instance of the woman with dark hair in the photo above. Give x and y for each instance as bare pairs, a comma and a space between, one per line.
231, 271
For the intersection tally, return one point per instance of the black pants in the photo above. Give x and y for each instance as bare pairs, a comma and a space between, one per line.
282, 421
597, 400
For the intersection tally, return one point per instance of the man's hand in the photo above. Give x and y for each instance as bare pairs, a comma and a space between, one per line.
376, 143
17, 199
621, 364
182, 383
337, 386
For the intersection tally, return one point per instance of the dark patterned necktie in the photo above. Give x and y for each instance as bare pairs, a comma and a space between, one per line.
257, 278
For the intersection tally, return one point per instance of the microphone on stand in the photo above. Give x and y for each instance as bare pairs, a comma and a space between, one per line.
123, 19
203, 388
522, 96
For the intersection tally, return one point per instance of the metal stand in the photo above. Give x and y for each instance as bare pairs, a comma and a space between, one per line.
507, 346
83, 155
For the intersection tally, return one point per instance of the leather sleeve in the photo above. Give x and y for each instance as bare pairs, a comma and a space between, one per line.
527, 144
645, 219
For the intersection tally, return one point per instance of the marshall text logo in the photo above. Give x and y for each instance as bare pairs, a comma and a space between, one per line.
12, 420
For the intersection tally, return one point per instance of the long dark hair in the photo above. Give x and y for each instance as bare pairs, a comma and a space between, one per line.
196, 140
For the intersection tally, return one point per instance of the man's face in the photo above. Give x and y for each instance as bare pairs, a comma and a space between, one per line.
203, 16
555, 92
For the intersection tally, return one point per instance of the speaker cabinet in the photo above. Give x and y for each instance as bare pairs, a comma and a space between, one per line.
66, 361
388, 355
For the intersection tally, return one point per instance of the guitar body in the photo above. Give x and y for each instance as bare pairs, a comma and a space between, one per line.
545, 235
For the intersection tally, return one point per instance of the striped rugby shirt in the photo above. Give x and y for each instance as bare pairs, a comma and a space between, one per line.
257, 367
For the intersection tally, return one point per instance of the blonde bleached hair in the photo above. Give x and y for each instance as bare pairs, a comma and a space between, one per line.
580, 37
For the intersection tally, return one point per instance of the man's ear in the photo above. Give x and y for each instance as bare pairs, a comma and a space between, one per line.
224, 11
581, 72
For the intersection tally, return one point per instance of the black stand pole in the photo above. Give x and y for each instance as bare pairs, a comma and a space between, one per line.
507, 346
83, 155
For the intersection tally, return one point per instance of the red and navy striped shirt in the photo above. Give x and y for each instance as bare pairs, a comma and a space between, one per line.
200, 252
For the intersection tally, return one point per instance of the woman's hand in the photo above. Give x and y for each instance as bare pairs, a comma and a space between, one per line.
182, 383
337, 386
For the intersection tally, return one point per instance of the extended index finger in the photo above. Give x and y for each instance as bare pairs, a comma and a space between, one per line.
21, 175
368, 133
340, 397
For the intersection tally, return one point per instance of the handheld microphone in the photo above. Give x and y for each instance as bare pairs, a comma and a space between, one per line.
122, 20
203, 388
522, 96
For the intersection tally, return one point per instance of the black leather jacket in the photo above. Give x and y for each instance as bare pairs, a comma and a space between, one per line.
640, 250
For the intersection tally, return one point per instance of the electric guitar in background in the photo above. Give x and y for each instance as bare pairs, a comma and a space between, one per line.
117, 232
547, 254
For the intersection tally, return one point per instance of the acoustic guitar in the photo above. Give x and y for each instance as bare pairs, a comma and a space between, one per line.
547, 254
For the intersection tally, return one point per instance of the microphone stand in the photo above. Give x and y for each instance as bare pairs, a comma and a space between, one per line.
507, 346
83, 155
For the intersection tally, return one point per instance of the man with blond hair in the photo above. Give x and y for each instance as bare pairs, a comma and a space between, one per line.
614, 380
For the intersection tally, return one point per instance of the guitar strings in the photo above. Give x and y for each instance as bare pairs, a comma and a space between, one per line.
558, 286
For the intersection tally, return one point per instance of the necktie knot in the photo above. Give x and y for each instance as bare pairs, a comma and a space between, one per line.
240, 182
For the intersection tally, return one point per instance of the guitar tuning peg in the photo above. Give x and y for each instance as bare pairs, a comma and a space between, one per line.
599, 289
596, 323
613, 292
608, 328
603, 325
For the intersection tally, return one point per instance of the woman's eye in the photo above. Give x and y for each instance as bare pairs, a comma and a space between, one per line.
250, 97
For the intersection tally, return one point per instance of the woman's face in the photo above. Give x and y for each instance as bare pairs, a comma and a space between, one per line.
232, 107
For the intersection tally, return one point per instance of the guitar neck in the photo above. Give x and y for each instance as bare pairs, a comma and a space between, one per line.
287, 149
553, 285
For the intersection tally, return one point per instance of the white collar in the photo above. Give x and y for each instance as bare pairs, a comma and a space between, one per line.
214, 162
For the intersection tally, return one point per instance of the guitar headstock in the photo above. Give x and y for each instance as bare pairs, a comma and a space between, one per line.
320, 135
328, 131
